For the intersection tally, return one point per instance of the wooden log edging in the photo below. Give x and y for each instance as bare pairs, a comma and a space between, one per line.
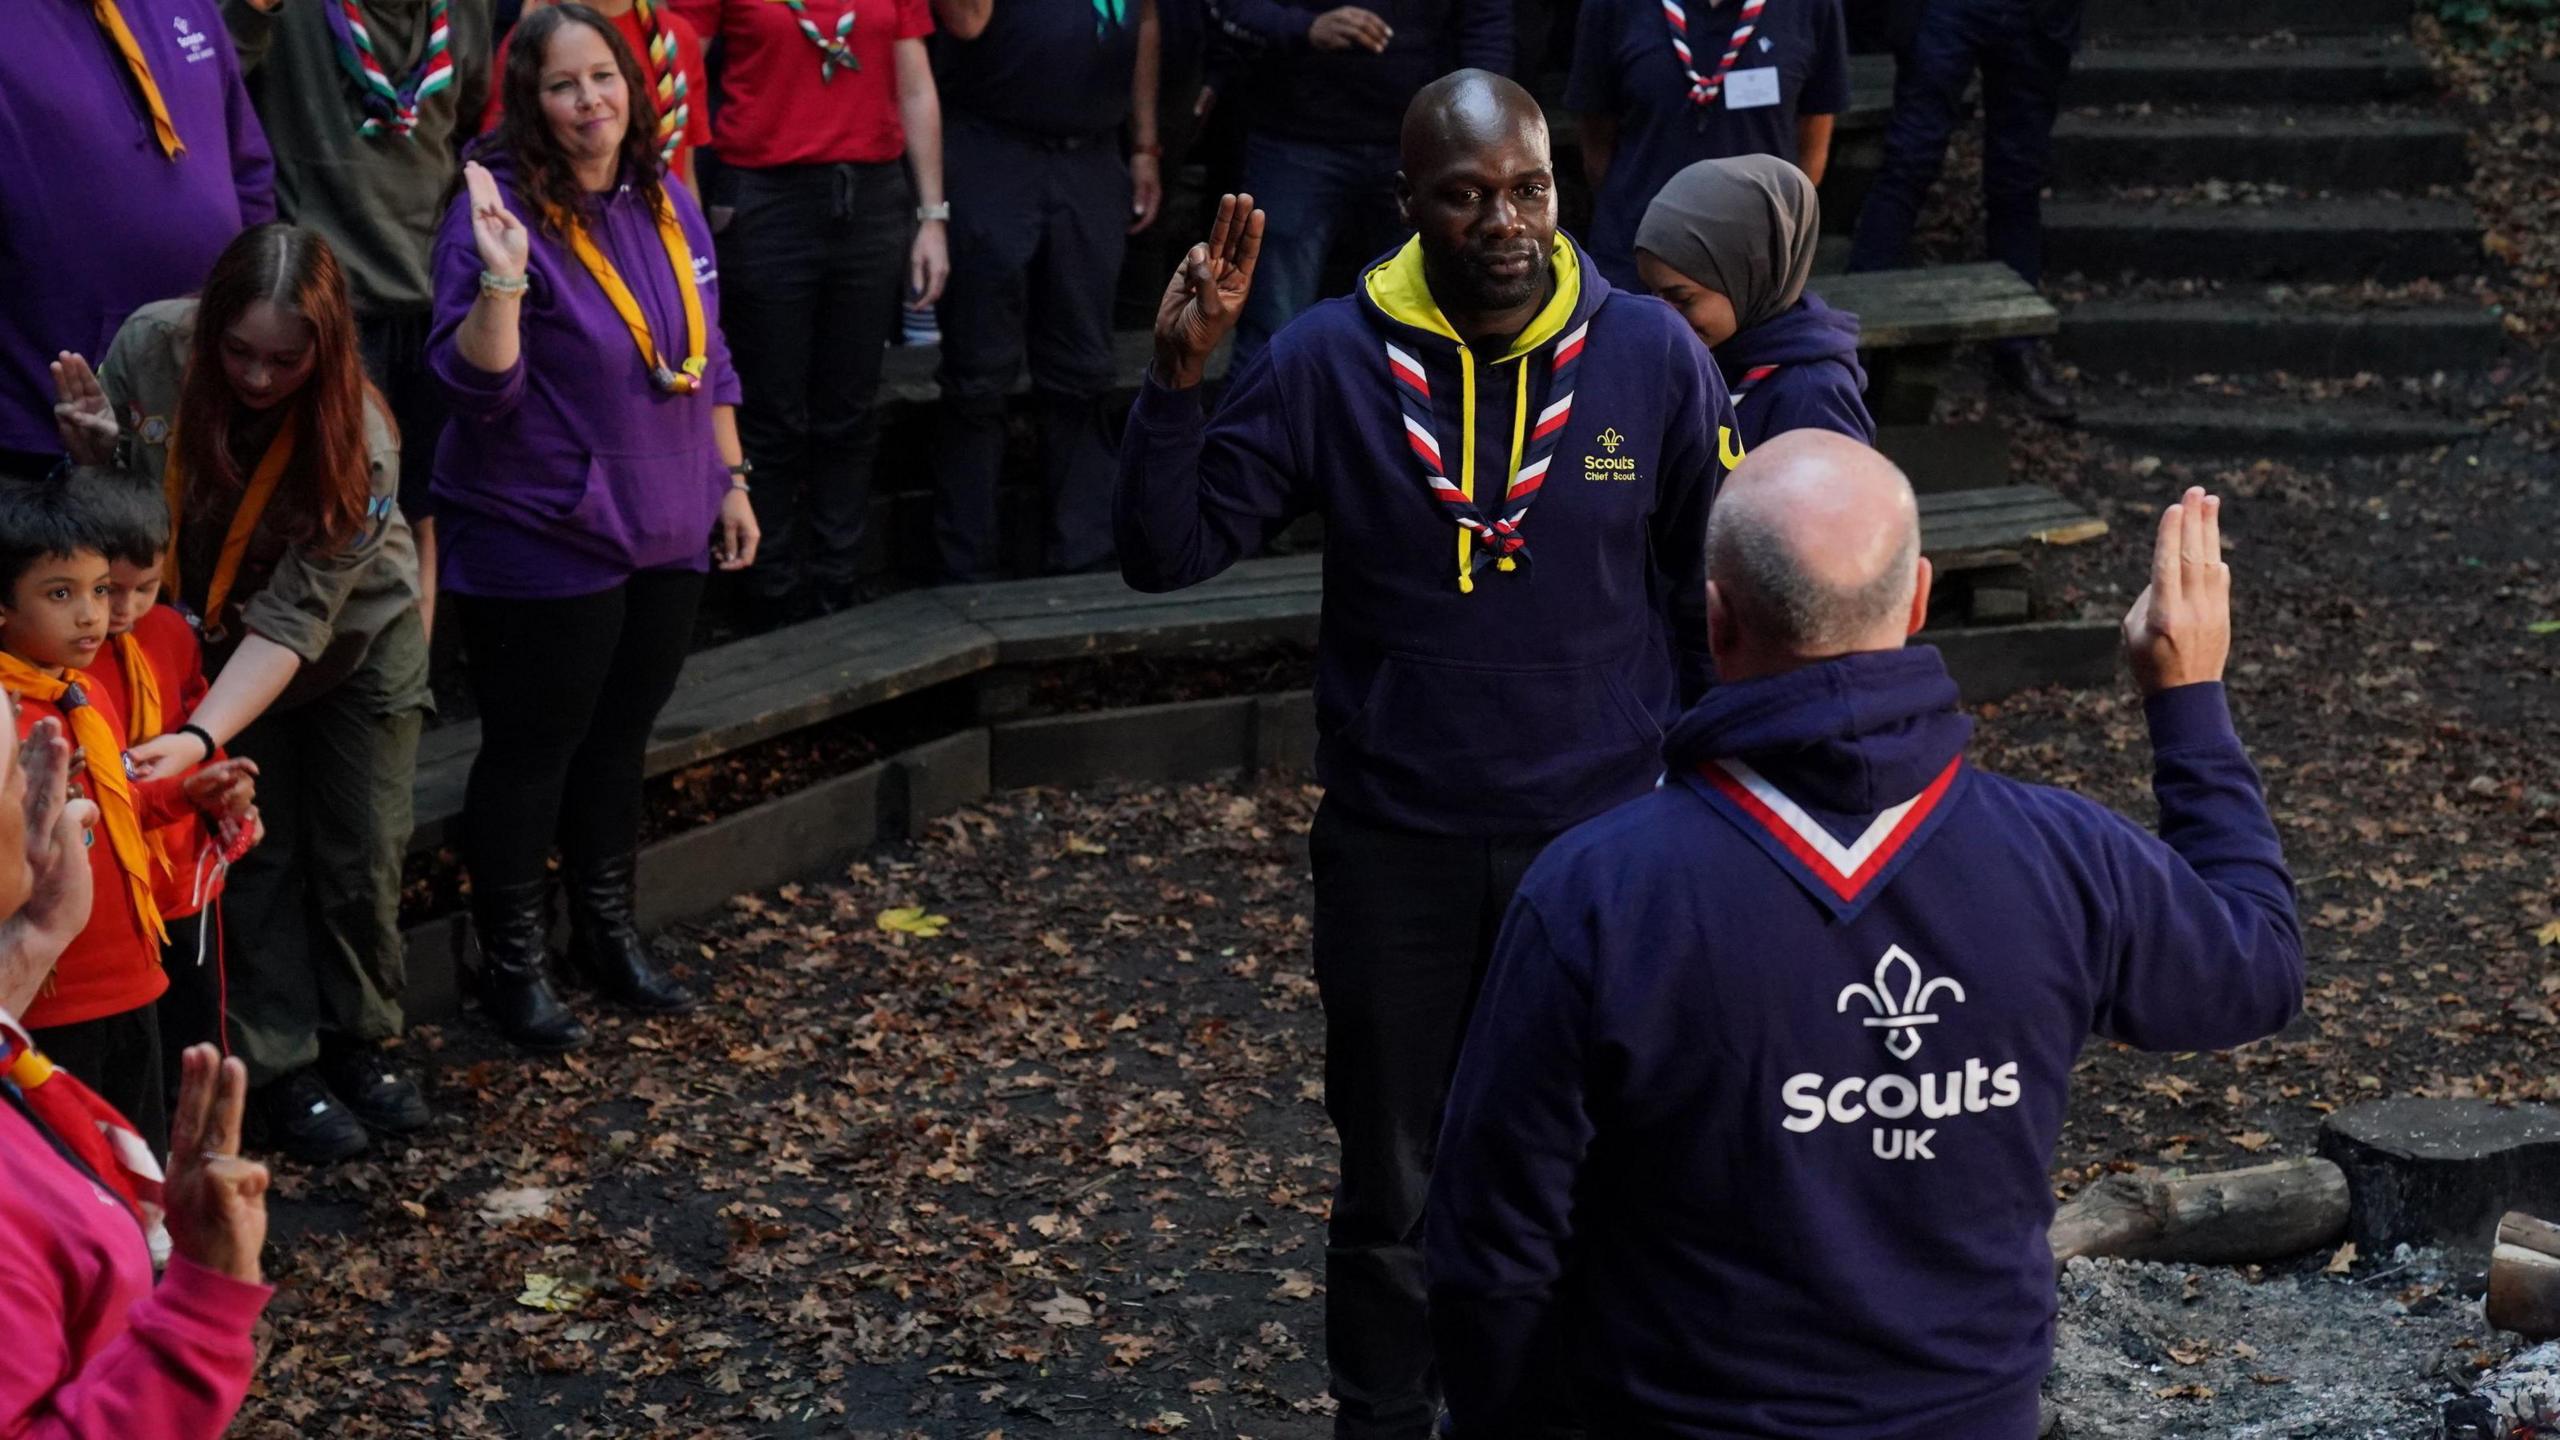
814, 830
2260, 1213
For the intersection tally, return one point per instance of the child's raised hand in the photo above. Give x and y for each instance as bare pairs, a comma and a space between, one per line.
225, 790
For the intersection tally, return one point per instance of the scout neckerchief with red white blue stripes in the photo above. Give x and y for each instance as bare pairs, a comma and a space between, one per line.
1703, 89
837, 47
391, 109
1840, 876
86, 1128
675, 106
1750, 378
1500, 541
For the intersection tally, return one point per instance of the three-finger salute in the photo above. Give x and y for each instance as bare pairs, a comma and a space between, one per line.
1207, 293
2179, 629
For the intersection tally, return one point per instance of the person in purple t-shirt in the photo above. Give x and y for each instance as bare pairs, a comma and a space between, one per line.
129, 157
591, 476
1760, 77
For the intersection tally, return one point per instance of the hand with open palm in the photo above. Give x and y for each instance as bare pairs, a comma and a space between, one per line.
1206, 296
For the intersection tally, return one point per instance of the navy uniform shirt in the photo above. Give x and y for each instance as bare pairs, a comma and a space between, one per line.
1623, 66
1052, 67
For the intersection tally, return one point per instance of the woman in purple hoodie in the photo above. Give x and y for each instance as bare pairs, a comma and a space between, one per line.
1729, 244
591, 477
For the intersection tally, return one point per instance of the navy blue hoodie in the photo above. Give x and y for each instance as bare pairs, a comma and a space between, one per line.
1819, 384
1536, 698
1754, 1122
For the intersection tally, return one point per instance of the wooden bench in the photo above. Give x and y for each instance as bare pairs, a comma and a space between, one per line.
735, 695
1927, 310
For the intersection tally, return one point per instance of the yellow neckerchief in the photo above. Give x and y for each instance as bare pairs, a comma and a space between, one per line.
1398, 288
163, 129
141, 688
244, 523
98, 741
675, 380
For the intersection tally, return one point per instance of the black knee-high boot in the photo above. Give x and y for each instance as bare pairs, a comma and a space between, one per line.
605, 943
514, 922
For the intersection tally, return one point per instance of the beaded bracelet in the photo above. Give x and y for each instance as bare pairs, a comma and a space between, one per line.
495, 284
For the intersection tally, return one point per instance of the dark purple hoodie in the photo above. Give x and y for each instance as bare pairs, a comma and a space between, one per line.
1818, 385
1754, 1122
570, 471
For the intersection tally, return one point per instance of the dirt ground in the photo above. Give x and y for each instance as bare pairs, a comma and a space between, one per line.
1056, 1166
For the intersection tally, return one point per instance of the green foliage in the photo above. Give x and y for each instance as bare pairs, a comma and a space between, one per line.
2501, 27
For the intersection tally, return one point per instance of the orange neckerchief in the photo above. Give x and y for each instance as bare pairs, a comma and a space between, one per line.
142, 696
675, 380
98, 741
141, 687
163, 129
244, 523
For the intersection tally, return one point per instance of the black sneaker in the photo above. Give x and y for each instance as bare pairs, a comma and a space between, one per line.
299, 1117
2028, 372
366, 1081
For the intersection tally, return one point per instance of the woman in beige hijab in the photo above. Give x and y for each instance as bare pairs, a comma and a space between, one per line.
1729, 244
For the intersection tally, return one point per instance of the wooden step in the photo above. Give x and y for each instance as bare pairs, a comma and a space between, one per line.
735, 695
2384, 238
2193, 70
2306, 149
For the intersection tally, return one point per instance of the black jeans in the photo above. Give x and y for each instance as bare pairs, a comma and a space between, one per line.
811, 270
2023, 49
119, 1057
395, 356
189, 1012
1038, 228
568, 692
1404, 928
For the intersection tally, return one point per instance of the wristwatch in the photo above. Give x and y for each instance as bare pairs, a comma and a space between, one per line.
933, 212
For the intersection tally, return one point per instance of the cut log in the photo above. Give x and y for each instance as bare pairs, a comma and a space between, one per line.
2524, 1277
2260, 1213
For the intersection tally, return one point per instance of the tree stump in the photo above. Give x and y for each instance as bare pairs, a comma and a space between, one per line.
2441, 1172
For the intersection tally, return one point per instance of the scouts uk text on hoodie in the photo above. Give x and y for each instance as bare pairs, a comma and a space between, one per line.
1753, 1126
1451, 699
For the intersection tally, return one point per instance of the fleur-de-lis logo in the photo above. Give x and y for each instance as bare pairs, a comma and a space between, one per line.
1900, 999
1610, 439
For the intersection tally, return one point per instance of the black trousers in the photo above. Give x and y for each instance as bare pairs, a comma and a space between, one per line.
811, 269
119, 1057
190, 1010
568, 691
1404, 927
1038, 229
395, 356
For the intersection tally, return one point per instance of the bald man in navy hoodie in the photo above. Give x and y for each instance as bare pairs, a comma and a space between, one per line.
1752, 1131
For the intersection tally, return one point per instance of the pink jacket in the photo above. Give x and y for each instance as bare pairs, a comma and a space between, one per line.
94, 1350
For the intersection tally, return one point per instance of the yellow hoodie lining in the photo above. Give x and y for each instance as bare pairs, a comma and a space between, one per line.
1399, 288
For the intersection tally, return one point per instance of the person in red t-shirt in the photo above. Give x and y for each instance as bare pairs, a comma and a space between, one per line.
151, 671
95, 1017
819, 107
652, 28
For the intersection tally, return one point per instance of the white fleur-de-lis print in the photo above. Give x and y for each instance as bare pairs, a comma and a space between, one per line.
1900, 998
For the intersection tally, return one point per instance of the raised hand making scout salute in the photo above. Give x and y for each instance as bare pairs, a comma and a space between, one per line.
1514, 463
591, 476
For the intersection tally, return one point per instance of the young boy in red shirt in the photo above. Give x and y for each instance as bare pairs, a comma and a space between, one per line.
152, 668
95, 1016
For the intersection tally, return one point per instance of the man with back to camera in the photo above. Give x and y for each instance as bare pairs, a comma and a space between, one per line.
1514, 463
1752, 1130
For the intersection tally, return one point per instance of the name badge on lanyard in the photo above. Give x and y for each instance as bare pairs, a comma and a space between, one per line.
1751, 89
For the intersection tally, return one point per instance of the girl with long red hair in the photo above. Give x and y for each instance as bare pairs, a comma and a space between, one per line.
291, 557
